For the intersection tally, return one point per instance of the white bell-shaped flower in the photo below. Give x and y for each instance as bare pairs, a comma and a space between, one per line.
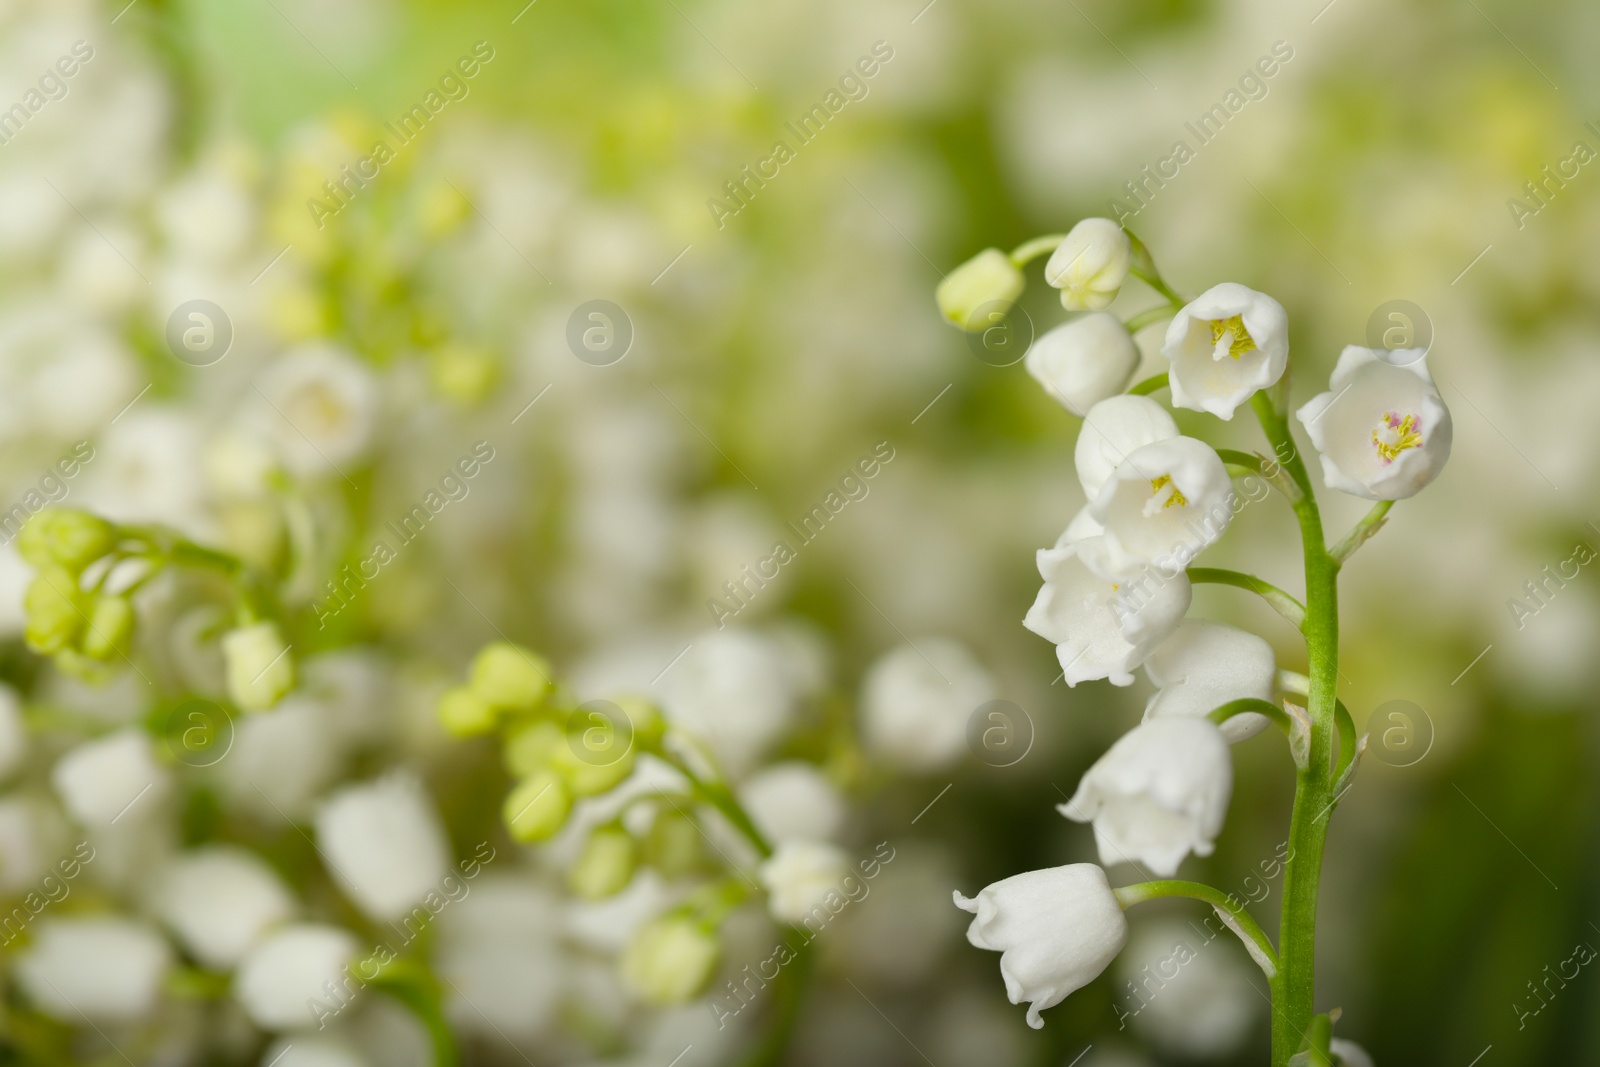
1090, 264
103, 780
799, 877
917, 699
100, 967
1203, 666
1165, 504
1160, 793
1112, 430
1382, 428
1055, 930
384, 843
1084, 361
1226, 344
220, 901
1103, 627
283, 980
1082, 527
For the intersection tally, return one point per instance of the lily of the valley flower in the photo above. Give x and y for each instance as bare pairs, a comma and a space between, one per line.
1159, 794
799, 877
1113, 429
1090, 264
974, 292
1103, 627
1224, 345
1084, 361
1203, 666
1055, 930
1349, 1054
1166, 502
1382, 429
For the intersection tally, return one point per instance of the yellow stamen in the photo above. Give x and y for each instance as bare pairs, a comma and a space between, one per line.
1176, 499
1239, 339
1403, 433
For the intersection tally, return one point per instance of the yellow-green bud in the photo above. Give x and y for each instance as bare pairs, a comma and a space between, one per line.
670, 960
587, 773
645, 719
510, 677
673, 844
537, 808
528, 749
54, 605
985, 286
70, 537
110, 627
464, 713
259, 668
606, 864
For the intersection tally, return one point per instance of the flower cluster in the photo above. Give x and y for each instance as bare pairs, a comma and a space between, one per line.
1117, 586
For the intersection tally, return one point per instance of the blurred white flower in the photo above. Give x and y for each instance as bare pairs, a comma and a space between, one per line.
219, 901
311, 1052
731, 691
98, 781
793, 799
384, 843
799, 875
1165, 503
1382, 428
502, 987
1225, 345
322, 407
13, 731
1103, 628
148, 469
1160, 793
1055, 930
102, 968
32, 837
917, 699
1188, 996
1203, 666
280, 760
1084, 361
87, 376
206, 214
94, 270
1090, 265
1349, 1053
288, 970
1114, 428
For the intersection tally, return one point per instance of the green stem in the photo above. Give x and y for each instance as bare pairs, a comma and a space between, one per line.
1228, 909
1245, 705
1031, 250
714, 792
1294, 988
1281, 602
1150, 316
1370, 524
1153, 384
409, 983
789, 995
1144, 268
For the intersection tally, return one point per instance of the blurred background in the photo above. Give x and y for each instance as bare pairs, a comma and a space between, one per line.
381, 315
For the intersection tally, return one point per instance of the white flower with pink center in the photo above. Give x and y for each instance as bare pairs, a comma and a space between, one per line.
1382, 429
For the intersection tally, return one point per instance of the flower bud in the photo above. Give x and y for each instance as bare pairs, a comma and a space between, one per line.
673, 844
605, 866
974, 292
529, 748
54, 606
259, 668
509, 677
1084, 361
646, 720
463, 713
68, 537
670, 960
110, 627
589, 773
537, 808
1090, 265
